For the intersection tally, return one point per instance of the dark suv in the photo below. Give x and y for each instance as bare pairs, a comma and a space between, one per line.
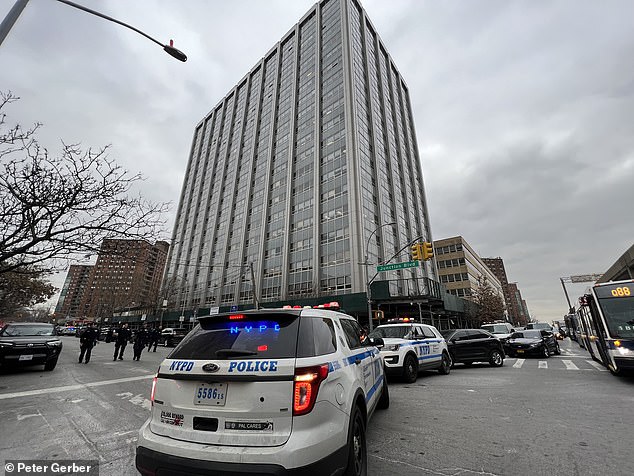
29, 343
467, 346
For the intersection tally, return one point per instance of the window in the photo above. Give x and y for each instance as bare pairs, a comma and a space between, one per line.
353, 332
316, 337
428, 333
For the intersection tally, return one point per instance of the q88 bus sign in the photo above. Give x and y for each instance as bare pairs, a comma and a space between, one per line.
615, 291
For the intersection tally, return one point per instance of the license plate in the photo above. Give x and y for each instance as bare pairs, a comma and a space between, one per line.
26, 357
210, 394
520, 351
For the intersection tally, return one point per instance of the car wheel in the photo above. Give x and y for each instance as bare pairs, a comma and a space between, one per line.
357, 450
445, 364
545, 352
384, 401
496, 359
557, 350
410, 369
50, 365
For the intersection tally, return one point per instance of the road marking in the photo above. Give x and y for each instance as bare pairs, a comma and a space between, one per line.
518, 364
569, 365
543, 364
597, 365
68, 388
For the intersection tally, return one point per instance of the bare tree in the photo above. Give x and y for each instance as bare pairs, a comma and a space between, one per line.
490, 306
58, 208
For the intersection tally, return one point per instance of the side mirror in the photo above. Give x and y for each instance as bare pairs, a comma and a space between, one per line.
377, 342
512, 330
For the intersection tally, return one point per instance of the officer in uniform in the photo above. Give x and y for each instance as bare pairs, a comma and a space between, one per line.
87, 341
140, 339
123, 337
153, 338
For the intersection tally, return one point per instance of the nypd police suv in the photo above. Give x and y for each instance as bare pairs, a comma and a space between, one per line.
275, 391
411, 347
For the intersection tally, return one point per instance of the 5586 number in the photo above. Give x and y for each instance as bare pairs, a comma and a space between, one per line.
209, 393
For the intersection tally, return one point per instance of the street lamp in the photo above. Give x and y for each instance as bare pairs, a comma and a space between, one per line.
19, 5
368, 293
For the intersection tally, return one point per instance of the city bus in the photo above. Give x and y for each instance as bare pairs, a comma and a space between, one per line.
606, 319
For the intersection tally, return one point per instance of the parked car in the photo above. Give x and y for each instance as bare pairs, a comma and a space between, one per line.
411, 347
275, 391
539, 342
103, 334
29, 343
500, 330
170, 337
467, 346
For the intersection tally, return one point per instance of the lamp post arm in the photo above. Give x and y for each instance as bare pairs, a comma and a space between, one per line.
11, 18
106, 17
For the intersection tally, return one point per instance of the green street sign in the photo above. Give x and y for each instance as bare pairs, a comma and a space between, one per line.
393, 266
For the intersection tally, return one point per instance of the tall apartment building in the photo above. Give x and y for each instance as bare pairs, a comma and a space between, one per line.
307, 171
71, 296
127, 274
512, 295
460, 267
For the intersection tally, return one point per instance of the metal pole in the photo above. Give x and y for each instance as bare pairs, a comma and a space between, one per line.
369, 282
11, 18
566, 293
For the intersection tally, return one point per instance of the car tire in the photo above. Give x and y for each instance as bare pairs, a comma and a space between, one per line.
50, 365
496, 359
445, 364
410, 369
357, 449
384, 401
545, 352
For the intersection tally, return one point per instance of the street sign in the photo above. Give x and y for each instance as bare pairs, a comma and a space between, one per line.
181, 318
214, 310
393, 266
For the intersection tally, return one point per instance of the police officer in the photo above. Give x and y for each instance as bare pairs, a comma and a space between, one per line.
87, 341
153, 338
123, 337
140, 339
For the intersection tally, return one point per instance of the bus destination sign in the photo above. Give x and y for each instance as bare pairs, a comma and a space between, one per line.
617, 290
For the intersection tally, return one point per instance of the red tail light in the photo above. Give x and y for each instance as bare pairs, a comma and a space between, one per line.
306, 386
153, 389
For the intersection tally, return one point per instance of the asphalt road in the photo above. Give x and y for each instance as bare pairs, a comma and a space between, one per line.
562, 415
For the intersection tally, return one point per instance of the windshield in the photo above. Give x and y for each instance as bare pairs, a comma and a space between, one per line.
527, 334
34, 330
495, 329
400, 332
619, 315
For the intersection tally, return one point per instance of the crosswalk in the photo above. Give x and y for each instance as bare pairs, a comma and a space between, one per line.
557, 363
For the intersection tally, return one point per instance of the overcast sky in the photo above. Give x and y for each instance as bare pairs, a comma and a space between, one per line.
524, 111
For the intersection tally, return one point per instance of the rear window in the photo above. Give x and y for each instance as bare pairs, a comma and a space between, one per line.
496, 329
256, 336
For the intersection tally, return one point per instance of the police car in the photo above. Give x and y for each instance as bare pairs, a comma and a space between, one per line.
275, 391
410, 347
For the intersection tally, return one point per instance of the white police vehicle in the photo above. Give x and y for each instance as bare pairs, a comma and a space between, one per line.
410, 347
274, 391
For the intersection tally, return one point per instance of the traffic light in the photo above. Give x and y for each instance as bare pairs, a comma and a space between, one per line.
428, 251
417, 253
